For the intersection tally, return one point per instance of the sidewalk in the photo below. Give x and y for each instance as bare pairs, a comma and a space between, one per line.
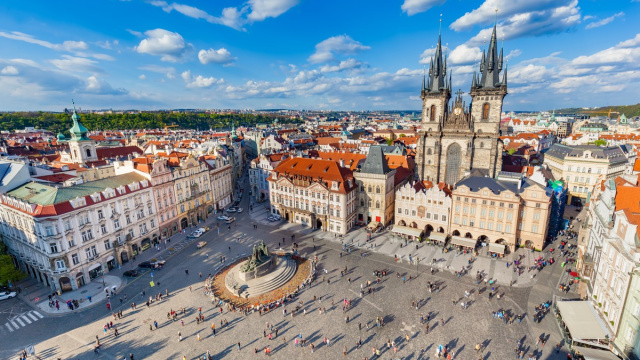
93, 290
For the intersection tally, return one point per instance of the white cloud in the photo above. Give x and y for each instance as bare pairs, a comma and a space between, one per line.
76, 64
464, 54
236, 18
9, 70
512, 54
341, 44
506, 8
199, 81
170, 46
142, 77
604, 21
220, 56
71, 46
262, 9
99, 86
625, 52
521, 18
349, 64
412, 7
529, 74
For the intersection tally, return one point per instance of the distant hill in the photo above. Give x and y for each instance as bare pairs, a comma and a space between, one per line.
629, 110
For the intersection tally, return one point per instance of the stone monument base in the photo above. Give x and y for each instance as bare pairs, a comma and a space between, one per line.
281, 272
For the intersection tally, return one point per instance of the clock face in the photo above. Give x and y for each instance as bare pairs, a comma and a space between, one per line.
457, 111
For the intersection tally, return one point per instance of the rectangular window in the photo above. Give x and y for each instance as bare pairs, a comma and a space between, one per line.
103, 229
465, 210
435, 217
428, 215
444, 218
490, 226
534, 229
100, 214
481, 224
483, 212
473, 201
520, 226
491, 213
153, 223
456, 220
464, 221
473, 210
471, 223
457, 208
510, 206
107, 244
74, 259
501, 204
507, 229
499, 227
536, 215
399, 210
53, 247
509, 216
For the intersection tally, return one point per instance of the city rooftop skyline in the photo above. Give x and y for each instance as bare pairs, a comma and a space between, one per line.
295, 54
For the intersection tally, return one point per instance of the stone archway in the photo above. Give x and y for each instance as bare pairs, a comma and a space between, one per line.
414, 225
528, 244
484, 239
441, 230
184, 223
318, 224
80, 279
455, 233
65, 284
468, 235
402, 223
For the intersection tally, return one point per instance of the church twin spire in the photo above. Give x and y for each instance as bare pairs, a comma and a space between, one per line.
490, 66
437, 80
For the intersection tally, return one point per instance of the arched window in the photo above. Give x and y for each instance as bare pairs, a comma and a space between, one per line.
377, 189
485, 111
481, 145
88, 152
369, 188
432, 116
377, 204
429, 151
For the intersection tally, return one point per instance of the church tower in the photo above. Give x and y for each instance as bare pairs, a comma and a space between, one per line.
82, 148
487, 94
435, 94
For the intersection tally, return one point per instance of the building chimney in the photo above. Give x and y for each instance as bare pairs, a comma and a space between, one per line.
341, 162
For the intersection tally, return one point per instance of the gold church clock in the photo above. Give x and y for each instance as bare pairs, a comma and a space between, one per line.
457, 111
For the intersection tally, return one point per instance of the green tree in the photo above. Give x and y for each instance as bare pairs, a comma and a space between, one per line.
389, 142
8, 272
511, 151
600, 142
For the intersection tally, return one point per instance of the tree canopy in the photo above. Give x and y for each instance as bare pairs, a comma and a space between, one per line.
61, 122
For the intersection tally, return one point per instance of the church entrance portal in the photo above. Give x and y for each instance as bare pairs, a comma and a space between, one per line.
453, 164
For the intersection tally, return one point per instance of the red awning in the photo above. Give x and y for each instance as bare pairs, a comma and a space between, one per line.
574, 274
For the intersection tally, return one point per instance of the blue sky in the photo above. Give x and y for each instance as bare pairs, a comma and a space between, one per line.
305, 54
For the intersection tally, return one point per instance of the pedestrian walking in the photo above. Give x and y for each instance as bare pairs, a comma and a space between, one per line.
179, 336
238, 346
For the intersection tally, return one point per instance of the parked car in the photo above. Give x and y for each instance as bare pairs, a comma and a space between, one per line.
232, 210
201, 244
130, 273
230, 220
7, 295
240, 210
223, 217
271, 218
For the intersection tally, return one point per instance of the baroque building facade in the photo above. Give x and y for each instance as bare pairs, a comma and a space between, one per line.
452, 142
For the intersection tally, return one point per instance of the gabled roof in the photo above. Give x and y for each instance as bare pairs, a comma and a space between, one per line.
117, 152
315, 170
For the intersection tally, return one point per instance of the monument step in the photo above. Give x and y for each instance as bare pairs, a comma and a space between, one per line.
282, 276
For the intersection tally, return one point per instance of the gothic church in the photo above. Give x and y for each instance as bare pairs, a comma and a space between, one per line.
455, 141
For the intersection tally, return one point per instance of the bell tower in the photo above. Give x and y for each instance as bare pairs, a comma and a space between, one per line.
436, 91
487, 95
82, 148
435, 94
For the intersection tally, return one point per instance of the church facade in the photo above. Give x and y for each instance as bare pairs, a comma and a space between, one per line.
454, 140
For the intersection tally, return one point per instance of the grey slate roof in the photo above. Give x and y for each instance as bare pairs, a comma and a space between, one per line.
375, 163
475, 183
612, 153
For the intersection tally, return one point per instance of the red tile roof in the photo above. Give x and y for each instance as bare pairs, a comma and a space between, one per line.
315, 170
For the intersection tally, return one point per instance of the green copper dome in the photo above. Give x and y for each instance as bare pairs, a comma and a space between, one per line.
78, 131
60, 137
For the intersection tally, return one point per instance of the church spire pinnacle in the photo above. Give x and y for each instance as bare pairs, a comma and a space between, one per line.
491, 65
438, 67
